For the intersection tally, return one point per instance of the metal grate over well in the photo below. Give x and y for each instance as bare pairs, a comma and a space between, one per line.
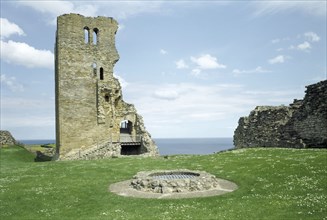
172, 176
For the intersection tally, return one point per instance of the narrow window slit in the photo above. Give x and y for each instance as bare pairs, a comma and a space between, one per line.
106, 98
101, 74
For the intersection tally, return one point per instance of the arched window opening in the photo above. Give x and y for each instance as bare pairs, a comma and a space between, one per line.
95, 36
101, 74
130, 145
126, 127
86, 35
94, 66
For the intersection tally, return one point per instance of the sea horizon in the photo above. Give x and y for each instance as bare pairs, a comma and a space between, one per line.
172, 146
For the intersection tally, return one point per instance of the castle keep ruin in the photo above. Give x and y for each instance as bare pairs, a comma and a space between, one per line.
92, 120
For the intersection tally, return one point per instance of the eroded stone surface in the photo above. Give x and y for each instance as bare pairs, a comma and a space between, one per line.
303, 124
6, 138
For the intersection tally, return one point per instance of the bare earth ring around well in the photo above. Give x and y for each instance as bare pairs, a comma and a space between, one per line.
173, 184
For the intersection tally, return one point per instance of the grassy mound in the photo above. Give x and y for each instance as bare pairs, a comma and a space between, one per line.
273, 184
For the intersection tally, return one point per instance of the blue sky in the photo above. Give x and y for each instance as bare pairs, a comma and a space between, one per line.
192, 69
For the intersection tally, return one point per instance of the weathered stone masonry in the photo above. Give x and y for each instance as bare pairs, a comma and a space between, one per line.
303, 124
92, 120
6, 138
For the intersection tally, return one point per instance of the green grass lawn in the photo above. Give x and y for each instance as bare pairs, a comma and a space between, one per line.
273, 184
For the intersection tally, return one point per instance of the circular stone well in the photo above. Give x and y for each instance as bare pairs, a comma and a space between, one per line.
173, 181
173, 184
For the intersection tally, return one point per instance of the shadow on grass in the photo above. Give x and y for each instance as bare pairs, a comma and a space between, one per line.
41, 157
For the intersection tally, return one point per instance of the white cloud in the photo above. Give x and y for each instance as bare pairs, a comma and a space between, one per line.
196, 72
199, 64
180, 64
311, 36
276, 97
167, 94
56, 8
163, 52
29, 118
279, 40
187, 101
304, 46
125, 9
315, 8
122, 81
31, 121
8, 28
275, 41
26, 55
207, 61
116, 9
28, 104
11, 83
278, 59
258, 69
174, 108
52, 7
32, 112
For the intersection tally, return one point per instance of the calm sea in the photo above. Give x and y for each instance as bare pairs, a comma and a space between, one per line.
170, 146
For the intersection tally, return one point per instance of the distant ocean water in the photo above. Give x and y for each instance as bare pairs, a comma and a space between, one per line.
171, 146
36, 142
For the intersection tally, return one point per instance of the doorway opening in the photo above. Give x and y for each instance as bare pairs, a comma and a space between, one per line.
126, 127
130, 149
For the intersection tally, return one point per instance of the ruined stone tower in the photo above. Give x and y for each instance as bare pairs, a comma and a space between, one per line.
92, 120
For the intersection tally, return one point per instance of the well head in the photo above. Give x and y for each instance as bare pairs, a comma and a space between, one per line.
173, 181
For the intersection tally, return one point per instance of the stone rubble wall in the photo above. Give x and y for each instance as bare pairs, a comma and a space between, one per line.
144, 181
6, 138
302, 124
105, 150
100, 151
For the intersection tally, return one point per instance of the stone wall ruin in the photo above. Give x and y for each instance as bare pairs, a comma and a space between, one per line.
302, 124
90, 110
6, 139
